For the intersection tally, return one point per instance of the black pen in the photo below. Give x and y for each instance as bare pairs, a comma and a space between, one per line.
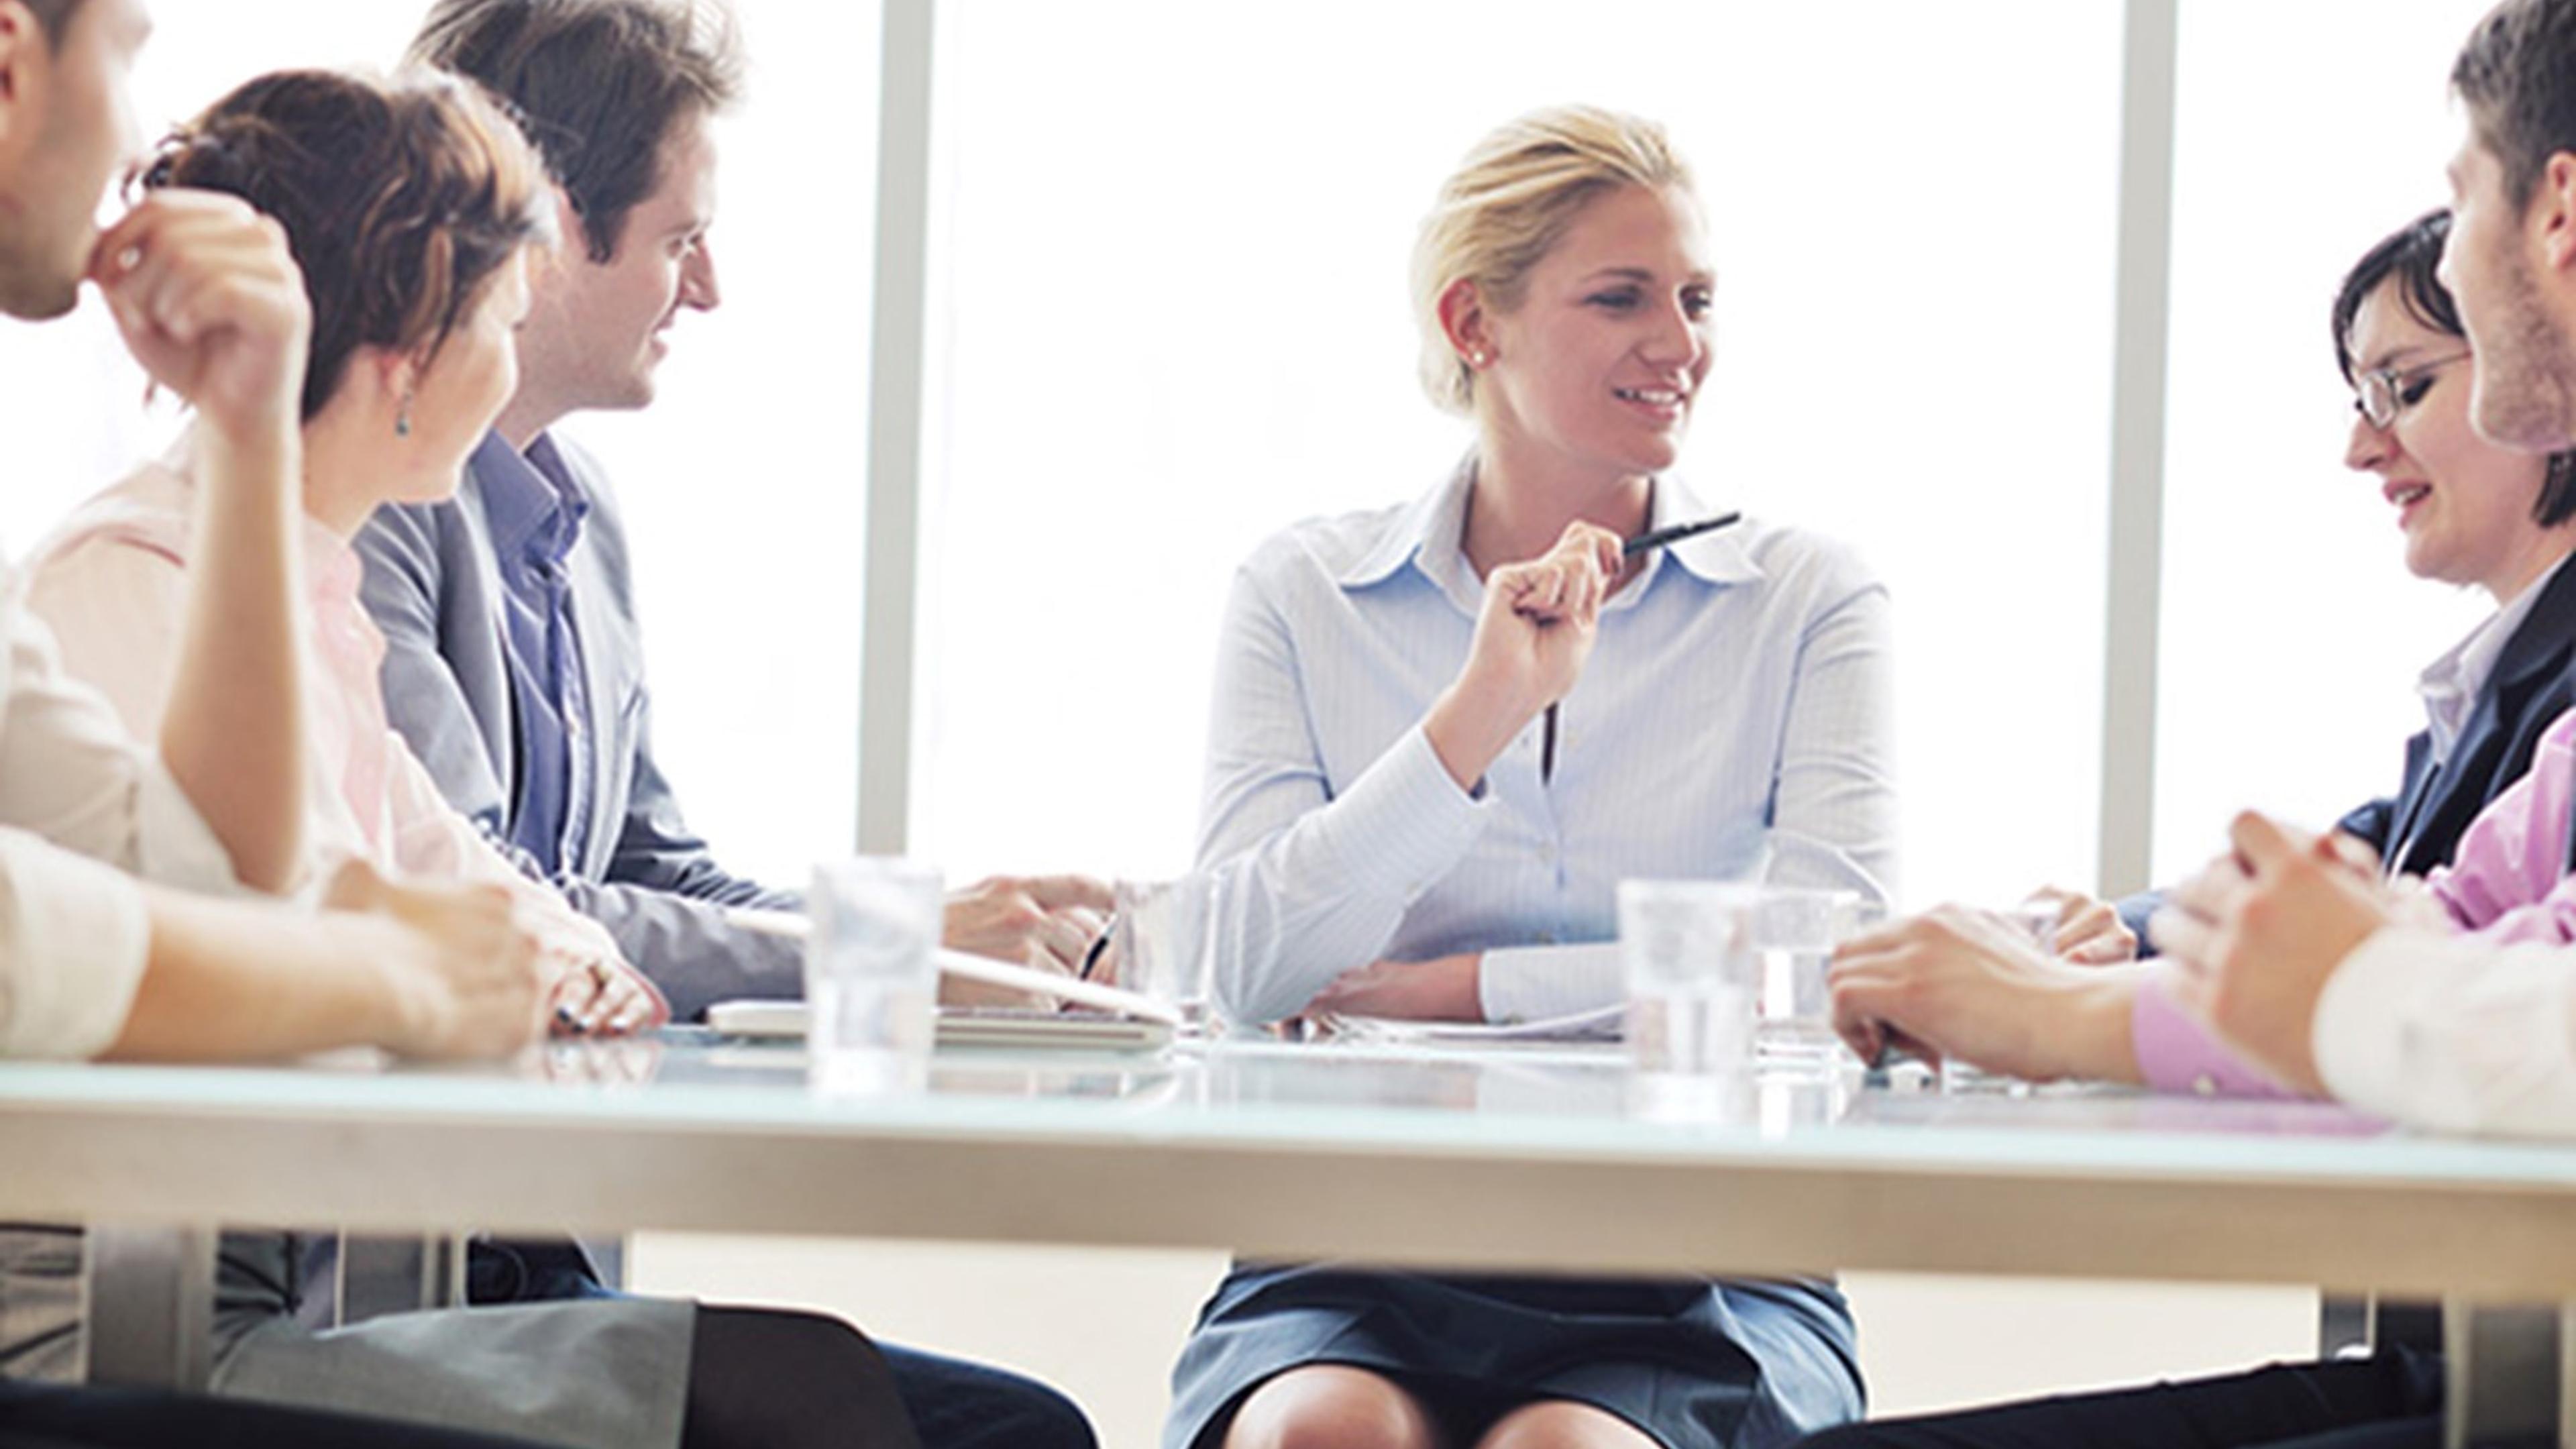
1646, 542
1091, 958
1675, 533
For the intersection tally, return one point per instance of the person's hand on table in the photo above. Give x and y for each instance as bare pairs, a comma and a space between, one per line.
1047, 923
2089, 932
459, 968
2257, 935
1534, 631
1968, 984
1442, 989
602, 996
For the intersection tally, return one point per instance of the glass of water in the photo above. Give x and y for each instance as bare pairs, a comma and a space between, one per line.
1793, 932
1692, 979
871, 973
1164, 945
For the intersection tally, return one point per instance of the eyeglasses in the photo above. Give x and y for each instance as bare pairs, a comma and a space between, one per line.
2382, 395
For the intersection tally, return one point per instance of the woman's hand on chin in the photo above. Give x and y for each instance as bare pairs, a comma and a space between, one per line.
1442, 989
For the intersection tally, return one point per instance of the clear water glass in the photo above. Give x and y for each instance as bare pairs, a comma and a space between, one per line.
872, 973
1692, 981
1163, 945
1794, 931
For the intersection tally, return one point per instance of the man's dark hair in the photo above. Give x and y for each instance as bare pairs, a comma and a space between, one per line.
54, 15
2517, 75
2410, 259
599, 85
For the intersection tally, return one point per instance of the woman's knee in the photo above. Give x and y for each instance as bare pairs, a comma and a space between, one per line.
1560, 1424
1330, 1406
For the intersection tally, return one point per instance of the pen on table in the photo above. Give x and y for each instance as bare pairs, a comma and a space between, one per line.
1646, 542
1091, 958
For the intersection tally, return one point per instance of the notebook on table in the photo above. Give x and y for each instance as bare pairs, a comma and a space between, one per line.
1105, 1019
983, 1026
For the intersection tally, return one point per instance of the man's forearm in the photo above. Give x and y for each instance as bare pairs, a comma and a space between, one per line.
233, 735
2094, 1020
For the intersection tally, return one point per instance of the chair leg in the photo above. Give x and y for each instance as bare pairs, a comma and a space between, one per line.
381, 1275
2507, 1370
151, 1306
2346, 1326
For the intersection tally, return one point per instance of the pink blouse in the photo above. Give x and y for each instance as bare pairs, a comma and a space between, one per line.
110, 583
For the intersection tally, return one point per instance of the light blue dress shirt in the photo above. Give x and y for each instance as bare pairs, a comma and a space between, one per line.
537, 507
1733, 722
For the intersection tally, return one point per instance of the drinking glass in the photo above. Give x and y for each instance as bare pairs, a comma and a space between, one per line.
1692, 979
1164, 944
1793, 932
871, 973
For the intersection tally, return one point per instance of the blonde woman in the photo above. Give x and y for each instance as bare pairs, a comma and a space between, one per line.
1444, 731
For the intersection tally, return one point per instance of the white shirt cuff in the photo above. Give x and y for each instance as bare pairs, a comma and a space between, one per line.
74, 939
1536, 983
2370, 1008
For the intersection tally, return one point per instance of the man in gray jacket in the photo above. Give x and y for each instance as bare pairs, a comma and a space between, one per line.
513, 664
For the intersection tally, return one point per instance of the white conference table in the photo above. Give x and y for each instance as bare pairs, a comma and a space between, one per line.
1496, 1158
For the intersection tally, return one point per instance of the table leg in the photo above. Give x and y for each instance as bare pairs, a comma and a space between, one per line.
2509, 1373
151, 1306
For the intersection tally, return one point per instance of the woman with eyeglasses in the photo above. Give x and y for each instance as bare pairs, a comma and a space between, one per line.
2483, 814
2473, 515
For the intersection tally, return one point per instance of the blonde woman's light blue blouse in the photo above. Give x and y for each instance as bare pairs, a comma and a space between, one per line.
1733, 722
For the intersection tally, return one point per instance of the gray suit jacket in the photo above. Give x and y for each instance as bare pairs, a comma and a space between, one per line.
435, 589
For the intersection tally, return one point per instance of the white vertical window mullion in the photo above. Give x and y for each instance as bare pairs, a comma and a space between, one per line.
886, 675
2142, 330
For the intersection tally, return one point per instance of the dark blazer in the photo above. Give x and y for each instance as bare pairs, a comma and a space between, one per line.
2533, 683
434, 588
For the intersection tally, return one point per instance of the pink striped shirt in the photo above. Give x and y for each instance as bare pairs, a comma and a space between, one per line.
2507, 884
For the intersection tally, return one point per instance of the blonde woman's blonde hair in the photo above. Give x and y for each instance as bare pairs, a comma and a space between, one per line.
1507, 206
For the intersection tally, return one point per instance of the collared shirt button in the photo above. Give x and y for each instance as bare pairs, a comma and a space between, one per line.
2205, 1085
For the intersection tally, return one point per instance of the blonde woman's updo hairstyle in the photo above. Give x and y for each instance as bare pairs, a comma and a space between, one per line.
1508, 205
400, 199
